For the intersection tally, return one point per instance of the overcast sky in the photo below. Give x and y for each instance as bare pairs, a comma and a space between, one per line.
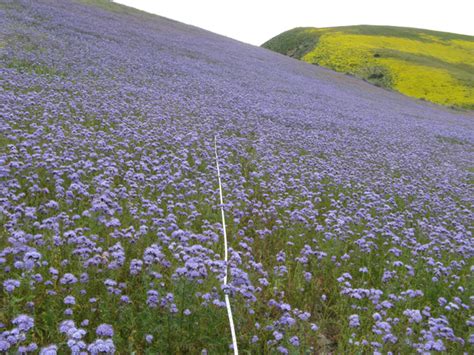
256, 21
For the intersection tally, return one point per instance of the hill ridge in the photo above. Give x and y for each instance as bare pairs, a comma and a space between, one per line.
432, 65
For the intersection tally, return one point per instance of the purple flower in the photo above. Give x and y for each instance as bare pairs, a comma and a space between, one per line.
354, 321
414, 315
152, 299
278, 336
49, 350
69, 300
294, 341
31, 258
66, 325
4, 345
23, 322
68, 279
435, 345
76, 334
377, 317
136, 266
101, 346
68, 312
76, 346
105, 330
125, 299
10, 285
304, 316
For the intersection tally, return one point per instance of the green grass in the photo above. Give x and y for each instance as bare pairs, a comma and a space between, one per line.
22, 66
294, 43
430, 65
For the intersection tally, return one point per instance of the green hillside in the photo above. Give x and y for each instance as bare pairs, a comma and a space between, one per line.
430, 65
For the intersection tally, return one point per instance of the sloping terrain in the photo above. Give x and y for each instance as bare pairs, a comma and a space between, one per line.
349, 207
429, 65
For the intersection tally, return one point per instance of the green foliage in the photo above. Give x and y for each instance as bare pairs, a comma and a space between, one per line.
23, 65
294, 43
377, 75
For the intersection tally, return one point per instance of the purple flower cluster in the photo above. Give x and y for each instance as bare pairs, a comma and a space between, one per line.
9, 339
348, 207
105, 330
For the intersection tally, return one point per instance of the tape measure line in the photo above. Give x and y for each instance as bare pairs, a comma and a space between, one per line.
227, 301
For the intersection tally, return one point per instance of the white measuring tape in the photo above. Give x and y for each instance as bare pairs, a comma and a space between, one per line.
227, 302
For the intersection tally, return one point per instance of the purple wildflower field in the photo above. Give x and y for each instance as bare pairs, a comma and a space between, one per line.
349, 207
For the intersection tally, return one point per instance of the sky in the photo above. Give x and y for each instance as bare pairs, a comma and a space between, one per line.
256, 21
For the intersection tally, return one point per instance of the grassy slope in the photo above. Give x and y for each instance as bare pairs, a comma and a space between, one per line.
430, 65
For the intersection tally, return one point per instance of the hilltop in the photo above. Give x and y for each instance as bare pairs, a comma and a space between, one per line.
348, 207
428, 65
